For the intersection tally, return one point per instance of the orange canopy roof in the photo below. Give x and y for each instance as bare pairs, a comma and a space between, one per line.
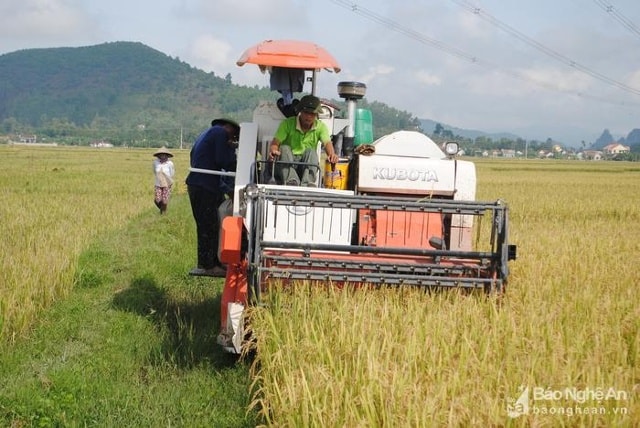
289, 53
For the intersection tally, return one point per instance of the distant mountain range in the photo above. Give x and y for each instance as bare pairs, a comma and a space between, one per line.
632, 139
429, 125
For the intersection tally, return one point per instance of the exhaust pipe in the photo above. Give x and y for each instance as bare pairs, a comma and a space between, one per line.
351, 92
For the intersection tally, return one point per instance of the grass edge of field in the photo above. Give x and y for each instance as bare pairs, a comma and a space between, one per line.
133, 342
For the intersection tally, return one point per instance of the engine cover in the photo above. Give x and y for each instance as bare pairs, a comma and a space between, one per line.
406, 175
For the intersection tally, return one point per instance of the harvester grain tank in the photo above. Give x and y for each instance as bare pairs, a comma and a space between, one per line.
407, 216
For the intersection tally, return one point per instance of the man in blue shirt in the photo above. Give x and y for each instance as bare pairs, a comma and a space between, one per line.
215, 149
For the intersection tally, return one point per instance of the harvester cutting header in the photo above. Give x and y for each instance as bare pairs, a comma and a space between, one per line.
396, 211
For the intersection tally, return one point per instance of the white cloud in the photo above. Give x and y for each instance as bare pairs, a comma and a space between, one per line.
48, 19
376, 71
567, 80
211, 54
633, 79
253, 12
427, 78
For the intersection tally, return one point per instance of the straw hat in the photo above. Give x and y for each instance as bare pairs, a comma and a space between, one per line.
163, 151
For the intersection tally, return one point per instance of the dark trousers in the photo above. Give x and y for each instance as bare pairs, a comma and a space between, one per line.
204, 206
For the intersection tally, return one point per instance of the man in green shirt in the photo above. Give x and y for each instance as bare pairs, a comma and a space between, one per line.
295, 145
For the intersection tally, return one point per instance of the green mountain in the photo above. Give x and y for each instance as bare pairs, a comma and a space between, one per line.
127, 93
116, 87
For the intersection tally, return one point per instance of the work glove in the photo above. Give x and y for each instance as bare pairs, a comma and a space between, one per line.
365, 149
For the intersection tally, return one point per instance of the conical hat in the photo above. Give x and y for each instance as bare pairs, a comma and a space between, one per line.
163, 150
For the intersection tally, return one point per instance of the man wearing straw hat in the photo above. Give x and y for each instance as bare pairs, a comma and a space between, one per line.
164, 171
214, 151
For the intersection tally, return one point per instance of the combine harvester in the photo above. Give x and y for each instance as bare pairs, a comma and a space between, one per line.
399, 211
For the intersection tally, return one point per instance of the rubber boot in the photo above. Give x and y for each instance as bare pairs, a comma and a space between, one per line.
163, 207
158, 205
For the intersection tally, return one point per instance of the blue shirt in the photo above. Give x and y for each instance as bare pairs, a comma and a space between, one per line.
211, 151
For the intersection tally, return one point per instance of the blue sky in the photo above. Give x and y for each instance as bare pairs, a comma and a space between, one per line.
565, 69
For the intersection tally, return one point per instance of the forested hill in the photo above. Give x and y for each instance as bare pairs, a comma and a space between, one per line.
113, 90
120, 84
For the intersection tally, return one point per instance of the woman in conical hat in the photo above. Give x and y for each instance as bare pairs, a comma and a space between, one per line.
164, 171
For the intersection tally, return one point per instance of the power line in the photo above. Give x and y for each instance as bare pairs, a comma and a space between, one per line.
395, 26
544, 49
615, 14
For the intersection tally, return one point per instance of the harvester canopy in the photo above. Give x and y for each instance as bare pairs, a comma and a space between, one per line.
289, 54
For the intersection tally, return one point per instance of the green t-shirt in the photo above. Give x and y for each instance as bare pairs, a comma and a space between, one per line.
290, 134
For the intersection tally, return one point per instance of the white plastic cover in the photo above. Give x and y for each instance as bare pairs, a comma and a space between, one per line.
406, 175
320, 225
408, 143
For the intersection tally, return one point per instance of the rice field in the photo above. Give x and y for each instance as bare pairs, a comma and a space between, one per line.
55, 200
561, 348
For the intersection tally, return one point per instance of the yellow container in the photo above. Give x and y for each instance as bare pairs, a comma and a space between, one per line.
336, 178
